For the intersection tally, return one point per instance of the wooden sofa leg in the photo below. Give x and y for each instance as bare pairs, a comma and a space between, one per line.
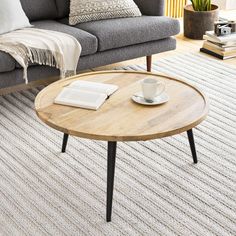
149, 63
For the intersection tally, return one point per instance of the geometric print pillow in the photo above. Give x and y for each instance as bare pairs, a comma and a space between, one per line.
92, 10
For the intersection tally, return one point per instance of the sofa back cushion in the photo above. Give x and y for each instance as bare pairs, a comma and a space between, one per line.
40, 9
151, 7
157, 6
63, 8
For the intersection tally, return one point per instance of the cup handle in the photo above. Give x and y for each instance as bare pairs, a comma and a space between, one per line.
163, 87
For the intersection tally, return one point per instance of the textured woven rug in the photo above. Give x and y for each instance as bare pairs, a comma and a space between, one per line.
158, 191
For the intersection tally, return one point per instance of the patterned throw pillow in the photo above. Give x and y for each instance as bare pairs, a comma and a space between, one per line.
92, 10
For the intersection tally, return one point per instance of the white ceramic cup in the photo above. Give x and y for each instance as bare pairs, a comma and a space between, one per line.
152, 88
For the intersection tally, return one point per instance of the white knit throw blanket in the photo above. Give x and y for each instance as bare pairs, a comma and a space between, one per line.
44, 47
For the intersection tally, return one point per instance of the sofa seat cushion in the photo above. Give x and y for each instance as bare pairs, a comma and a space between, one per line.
89, 42
63, 8
7, 63
116, 33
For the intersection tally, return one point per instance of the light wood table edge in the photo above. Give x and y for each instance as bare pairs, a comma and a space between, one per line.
124, 138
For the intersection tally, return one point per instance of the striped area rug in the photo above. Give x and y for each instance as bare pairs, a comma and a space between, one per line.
158, 191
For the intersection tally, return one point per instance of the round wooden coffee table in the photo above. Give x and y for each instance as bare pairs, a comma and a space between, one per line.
120, 119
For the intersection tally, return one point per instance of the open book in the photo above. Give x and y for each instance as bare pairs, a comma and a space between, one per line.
85, 94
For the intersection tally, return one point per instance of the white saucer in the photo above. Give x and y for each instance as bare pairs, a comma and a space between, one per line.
138, 98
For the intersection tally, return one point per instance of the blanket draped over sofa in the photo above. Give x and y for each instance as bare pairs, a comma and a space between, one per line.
43, 47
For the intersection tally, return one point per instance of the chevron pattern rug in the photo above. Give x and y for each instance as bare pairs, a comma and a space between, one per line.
158, 191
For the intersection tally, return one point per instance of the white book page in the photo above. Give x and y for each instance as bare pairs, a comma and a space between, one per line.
82, 99
107, 89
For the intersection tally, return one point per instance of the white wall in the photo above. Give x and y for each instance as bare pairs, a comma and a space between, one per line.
225, 4
220, 3
231, 4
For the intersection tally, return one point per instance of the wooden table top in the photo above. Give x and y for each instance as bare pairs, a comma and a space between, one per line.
119, 118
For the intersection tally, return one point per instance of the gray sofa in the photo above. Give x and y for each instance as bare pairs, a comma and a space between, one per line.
103, 42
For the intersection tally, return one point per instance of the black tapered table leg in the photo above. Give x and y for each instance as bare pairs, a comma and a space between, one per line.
64, 144
111, 160
192, 145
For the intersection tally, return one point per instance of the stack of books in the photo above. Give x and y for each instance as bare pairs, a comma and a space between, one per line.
223, 47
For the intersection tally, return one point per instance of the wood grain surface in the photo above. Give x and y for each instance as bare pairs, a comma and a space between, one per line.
120, 119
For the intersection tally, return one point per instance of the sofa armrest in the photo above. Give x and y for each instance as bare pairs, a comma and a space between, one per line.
151, 7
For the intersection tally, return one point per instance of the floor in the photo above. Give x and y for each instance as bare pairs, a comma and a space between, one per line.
184, 45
